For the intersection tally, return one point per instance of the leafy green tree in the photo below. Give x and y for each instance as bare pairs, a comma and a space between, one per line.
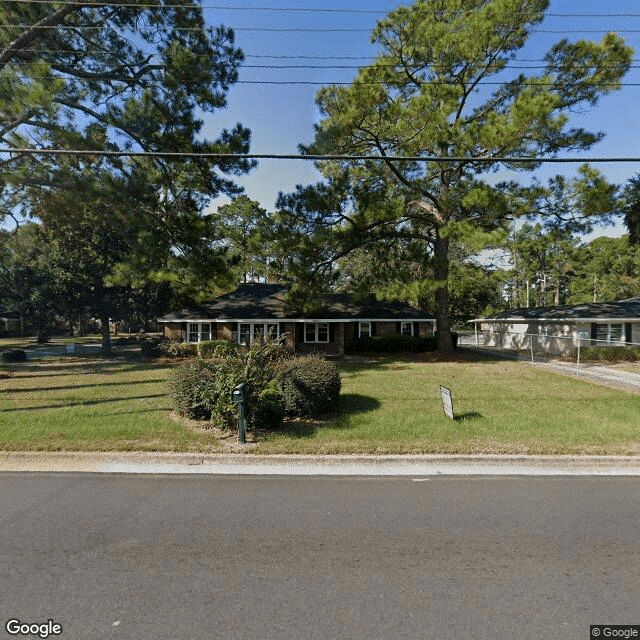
631, 209
542, 264
110, 78
27, 280
605, 269
241, 226
427, 95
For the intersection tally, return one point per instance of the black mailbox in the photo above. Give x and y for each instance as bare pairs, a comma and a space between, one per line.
240, 393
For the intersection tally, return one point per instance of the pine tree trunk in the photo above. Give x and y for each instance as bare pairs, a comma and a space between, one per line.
443, 322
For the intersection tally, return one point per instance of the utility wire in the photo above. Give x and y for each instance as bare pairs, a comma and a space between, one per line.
297, 156
142, 5
526, 83
300, 29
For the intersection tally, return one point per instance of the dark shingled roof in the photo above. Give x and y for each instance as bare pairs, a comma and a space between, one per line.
617, 310
266, 302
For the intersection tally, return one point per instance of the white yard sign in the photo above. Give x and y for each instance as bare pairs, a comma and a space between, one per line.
447, 404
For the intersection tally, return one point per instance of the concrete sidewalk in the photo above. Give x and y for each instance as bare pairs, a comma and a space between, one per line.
329, 465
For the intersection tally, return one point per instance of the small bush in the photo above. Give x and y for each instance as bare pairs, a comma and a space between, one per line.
192, 388
175, 349
157, 346
203, 389
309, 386
267, 411
217, 349
14, 355
151, 346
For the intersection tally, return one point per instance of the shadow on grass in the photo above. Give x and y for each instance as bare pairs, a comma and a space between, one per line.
349, 404
83, 386
469, 415
83, 403
57, 369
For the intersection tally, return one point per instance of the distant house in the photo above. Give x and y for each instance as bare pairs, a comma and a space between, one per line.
255, 310
10, 323
560, 329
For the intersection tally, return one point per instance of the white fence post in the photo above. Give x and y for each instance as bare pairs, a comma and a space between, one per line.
578, 362
531, 345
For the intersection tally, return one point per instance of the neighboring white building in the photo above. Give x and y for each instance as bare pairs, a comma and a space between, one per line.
559, 330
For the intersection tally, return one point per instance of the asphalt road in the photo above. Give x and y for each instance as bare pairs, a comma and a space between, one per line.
130, 556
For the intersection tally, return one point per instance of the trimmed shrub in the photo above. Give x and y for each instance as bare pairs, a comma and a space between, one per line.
14, 355
610, 353
217, 349
309, 386
202, 389
396, 343
267, 412
192, 387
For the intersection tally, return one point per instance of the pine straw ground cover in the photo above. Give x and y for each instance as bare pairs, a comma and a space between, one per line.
391, 405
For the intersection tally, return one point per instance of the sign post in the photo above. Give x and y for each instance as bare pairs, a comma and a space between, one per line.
447, 403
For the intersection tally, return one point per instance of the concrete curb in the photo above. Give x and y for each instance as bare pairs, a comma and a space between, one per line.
328, 465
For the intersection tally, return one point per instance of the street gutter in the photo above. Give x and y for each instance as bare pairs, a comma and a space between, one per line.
317, 465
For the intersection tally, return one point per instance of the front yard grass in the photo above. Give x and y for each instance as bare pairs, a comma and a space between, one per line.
92, 405
389, 406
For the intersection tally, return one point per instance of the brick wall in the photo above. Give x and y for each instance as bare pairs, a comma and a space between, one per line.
173, 330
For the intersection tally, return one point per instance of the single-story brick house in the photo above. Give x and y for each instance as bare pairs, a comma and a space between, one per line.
560, 329
255, 310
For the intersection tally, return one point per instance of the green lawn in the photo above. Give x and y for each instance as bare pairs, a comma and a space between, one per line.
392, 406
69, 405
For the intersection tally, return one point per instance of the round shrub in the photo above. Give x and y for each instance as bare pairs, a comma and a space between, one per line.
267, 412
192, 387
14, 355
309, 386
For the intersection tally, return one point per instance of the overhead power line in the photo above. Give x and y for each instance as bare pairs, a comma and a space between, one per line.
304, 29
326, 157
249, 9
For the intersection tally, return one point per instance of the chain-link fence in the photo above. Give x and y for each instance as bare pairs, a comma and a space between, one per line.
573, 354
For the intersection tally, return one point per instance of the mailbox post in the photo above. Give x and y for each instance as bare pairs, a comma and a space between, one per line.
239, 396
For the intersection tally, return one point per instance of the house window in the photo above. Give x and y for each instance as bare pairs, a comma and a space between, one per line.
258, 332
199, 331
272, 330
316, 332
364, 330
244, 335
406, 328
250, 331
609, 333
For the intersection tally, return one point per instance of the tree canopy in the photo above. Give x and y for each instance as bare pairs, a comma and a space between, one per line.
441, 87
118, 77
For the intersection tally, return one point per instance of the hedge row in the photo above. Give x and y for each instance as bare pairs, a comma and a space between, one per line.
609, 353
396, 343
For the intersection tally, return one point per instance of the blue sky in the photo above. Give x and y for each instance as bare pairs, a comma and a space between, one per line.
282, 116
